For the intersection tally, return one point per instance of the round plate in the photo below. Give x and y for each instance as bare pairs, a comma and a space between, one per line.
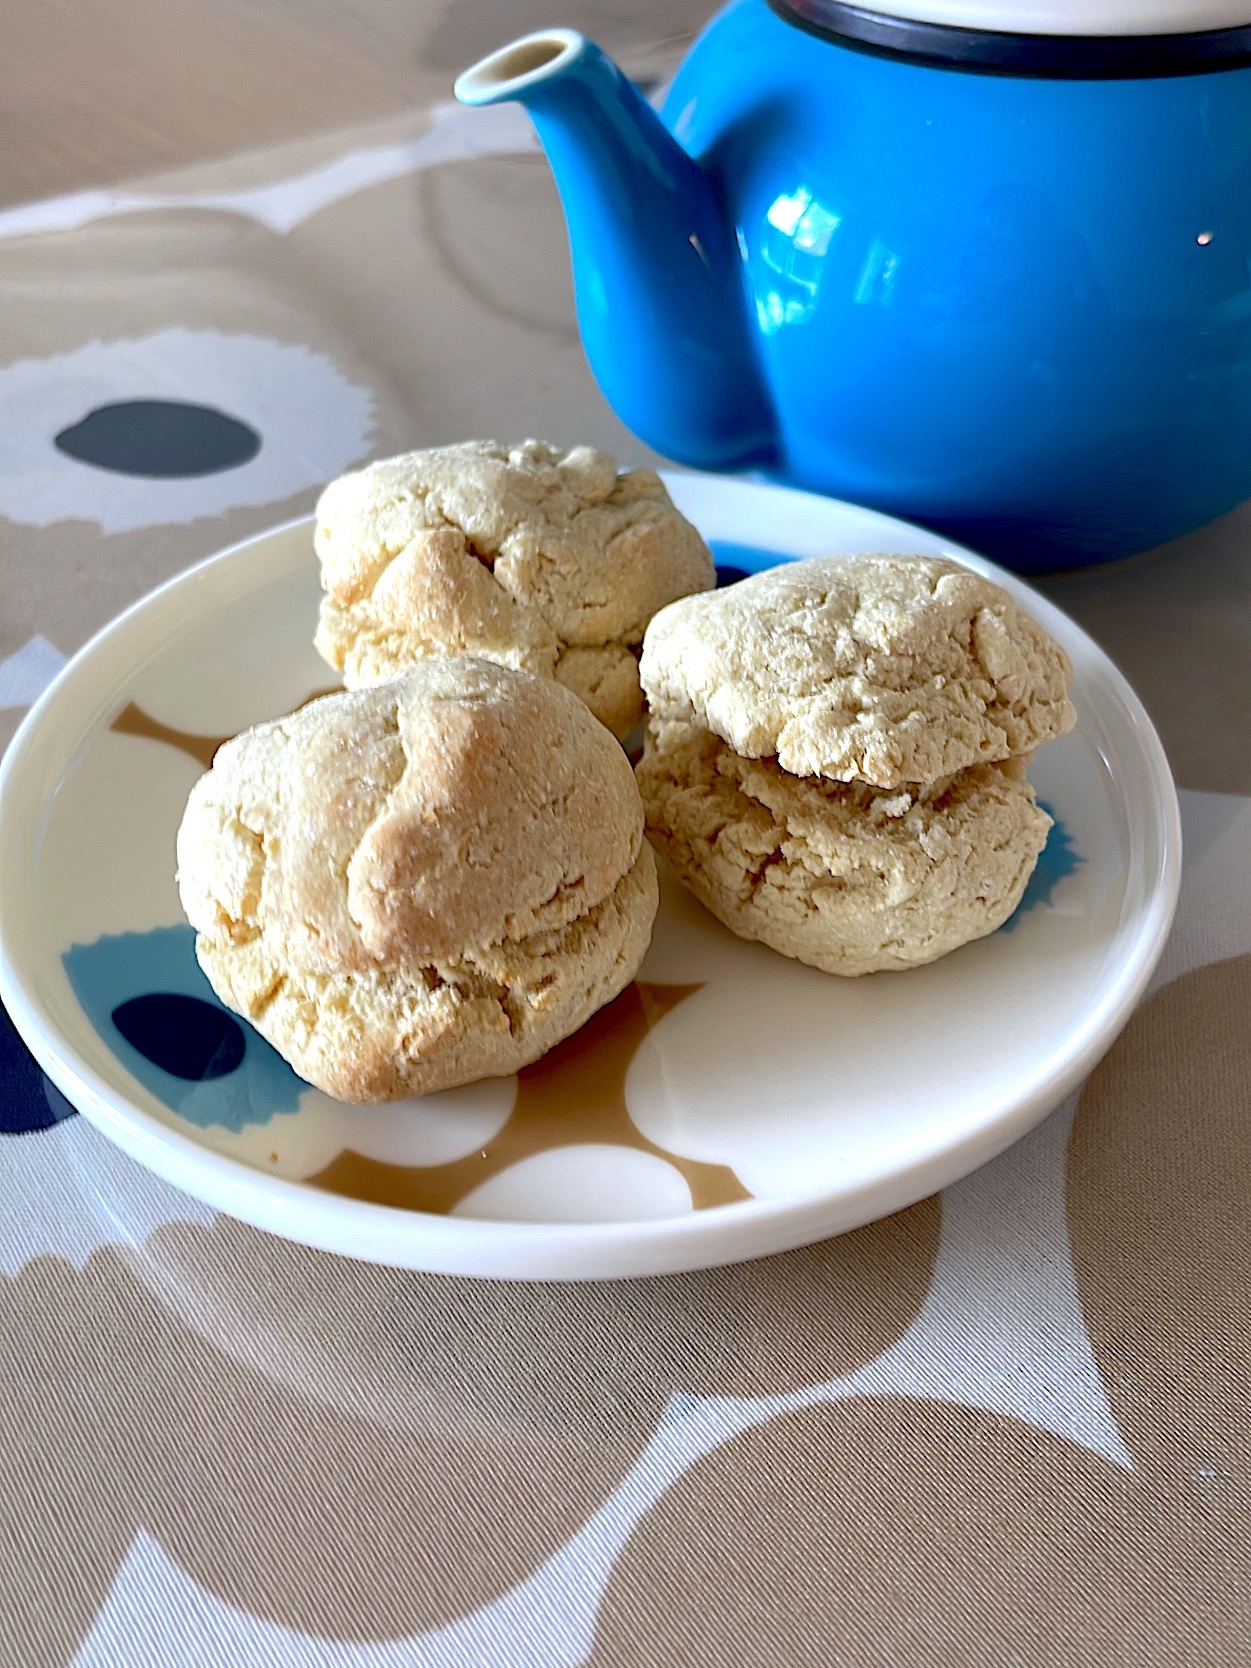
730, 1103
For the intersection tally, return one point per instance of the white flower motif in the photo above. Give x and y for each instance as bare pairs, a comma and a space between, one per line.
67, 1191
25, 675
311, 420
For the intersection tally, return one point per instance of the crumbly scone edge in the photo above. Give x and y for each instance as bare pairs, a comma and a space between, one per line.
850, 880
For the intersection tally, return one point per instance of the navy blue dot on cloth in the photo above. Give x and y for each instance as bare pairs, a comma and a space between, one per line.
182, 1035
24, 1104
162, 439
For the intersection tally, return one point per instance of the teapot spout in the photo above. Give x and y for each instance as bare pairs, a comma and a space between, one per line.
656, 267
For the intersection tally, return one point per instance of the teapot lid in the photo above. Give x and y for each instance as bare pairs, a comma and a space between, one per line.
1075, 17
1083, 39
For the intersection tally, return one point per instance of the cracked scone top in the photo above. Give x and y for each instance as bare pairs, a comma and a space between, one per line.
415, 885
550, 561
882, 669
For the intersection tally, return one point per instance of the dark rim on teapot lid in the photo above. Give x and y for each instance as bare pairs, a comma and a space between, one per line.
999, 52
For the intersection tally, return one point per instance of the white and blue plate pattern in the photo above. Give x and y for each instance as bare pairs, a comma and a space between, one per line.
746, 1103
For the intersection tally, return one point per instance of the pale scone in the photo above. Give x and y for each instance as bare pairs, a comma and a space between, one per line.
550, 561
415, 885
836, 753
844, 876
880, 669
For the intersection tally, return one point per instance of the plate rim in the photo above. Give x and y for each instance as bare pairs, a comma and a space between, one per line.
528, 1250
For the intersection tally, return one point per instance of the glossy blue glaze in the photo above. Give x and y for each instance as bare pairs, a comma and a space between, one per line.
1016, 310
655, 268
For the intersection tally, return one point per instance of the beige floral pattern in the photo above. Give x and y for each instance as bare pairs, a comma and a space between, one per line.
885, 1530
880, 1532
363, 1453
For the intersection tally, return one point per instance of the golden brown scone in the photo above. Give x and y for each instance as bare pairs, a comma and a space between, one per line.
882, 669
847, 878
415, 885
549, 561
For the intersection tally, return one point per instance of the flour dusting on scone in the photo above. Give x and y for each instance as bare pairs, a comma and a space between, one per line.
881, 669
412, 886
550, 561
836, 753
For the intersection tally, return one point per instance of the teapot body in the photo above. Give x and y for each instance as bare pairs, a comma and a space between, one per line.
1017, 309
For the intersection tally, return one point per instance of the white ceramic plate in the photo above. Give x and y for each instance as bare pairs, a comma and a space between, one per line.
728, 1074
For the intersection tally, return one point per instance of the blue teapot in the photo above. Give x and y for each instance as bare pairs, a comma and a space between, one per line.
995, 281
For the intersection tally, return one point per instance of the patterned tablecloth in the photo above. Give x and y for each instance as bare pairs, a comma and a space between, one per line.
1009, 1425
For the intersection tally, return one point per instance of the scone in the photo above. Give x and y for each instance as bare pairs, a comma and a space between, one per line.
835, 761
881, 669
844, 876
550, 561
412, 886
